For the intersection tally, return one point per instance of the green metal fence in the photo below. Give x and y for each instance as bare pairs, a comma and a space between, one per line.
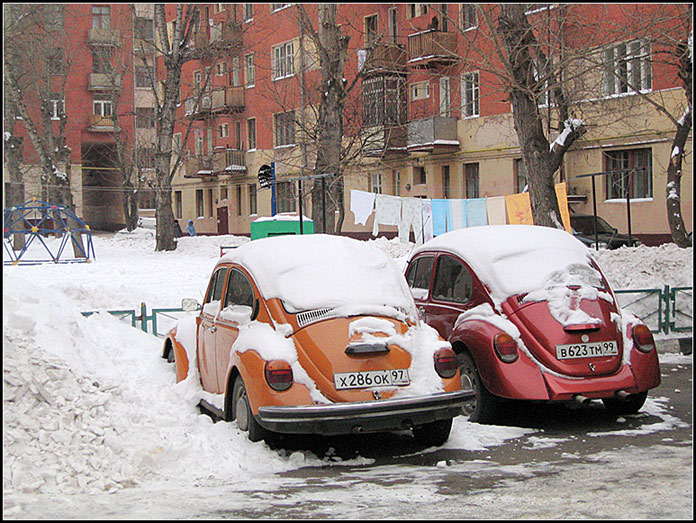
664, 310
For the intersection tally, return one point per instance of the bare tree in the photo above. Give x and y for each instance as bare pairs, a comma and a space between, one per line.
36, 63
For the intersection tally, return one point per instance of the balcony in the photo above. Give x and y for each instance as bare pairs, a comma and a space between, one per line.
384, 141
104, 81
432, 48
197, 107
104, 36
101, 124
226, 35
228, 100
434, 133
199, 167
384, 58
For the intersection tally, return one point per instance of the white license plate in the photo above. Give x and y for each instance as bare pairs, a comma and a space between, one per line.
371, 378
587, 350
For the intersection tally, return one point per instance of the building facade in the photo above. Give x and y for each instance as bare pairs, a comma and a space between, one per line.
427, 110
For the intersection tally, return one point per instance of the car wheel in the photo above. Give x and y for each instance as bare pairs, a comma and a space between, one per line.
631, 405
433, 434
483, 407
242, 412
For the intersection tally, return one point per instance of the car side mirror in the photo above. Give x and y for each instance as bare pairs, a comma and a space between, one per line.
190, 304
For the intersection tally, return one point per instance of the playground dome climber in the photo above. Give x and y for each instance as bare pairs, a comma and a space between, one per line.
27, 228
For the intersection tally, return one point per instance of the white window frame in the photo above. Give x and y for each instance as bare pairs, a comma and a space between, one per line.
637, 53
469, 17
248, 12
420, 91
249, 70
376, 183
100, 108
284, 135
223, 130
445, 96
470, 95
251, 133
235, 72
283, 56
57, 108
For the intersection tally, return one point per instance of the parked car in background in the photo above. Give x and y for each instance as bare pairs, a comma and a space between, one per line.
531, 317
317, 334
607, 237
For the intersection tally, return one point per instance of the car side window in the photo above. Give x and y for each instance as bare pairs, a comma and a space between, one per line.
418, 276
453, 281
239, 290
212, 299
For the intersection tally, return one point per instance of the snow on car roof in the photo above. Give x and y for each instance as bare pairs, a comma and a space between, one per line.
320, 271
513, 259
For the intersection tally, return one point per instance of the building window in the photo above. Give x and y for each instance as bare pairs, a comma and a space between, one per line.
199, 203
285, 196
469, 16
445, 98
371, 29
235, 72
238, 135
223, 130
285, 129
415, 10
631, 174
252, 198
146, 157
420, 91
376, 183
210, 203
393, 25
144, 28
145, 117
470, 94
419, 176
278, 7
521, 178
283, 60
178, 207
446, 181
239, 200
251, 133
144, 76
223, 192
627, 68
101, 16
396, 179
102, 105
57, 108
249, 71
221, 69
384, 101
248, 10
101, 60
471, 176
198, 143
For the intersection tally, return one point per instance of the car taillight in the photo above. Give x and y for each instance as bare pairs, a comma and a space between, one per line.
643, 338
278, 375
505, 347
446, 363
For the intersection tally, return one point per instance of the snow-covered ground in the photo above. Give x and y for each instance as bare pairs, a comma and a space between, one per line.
90, 407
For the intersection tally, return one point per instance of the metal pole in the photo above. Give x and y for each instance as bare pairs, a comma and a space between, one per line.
594, 207
300, 204
628, 209
323, 204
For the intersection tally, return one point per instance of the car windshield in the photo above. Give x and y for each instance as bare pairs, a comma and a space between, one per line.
585, 225
317, 271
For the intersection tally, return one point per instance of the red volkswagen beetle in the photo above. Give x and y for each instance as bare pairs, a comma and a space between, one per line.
531, 316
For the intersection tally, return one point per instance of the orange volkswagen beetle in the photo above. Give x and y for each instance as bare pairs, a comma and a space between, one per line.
317, 334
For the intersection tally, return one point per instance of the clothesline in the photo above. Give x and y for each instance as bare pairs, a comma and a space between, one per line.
431, 217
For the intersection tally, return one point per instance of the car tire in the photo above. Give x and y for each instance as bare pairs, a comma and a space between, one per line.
483, 407
433, 434
631, 405
170, 355
242, 412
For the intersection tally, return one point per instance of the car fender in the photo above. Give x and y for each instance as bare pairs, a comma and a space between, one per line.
645, 367
250, 366
521, 379
180, 357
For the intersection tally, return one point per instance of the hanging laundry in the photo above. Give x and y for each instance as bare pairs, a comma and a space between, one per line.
441, 209
427, 212
495, 207
562, 197
411, 215
519, 208
476, 212
387, 211
457, 214
361, 205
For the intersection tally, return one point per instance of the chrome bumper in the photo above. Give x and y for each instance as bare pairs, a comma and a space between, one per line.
363, 416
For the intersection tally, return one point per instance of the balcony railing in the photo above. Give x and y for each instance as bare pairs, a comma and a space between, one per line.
431, 48
432, 133
384, 58
198, 167
104, 81
383, 141
228, 100
101, 124
103, 36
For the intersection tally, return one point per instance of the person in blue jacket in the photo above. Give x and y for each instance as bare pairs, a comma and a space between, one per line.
190, 228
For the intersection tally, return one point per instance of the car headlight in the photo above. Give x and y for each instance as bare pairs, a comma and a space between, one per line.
601, 245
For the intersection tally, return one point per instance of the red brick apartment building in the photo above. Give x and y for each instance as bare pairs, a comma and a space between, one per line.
428, 91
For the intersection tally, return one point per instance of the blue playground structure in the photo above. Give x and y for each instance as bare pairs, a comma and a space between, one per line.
36, 221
